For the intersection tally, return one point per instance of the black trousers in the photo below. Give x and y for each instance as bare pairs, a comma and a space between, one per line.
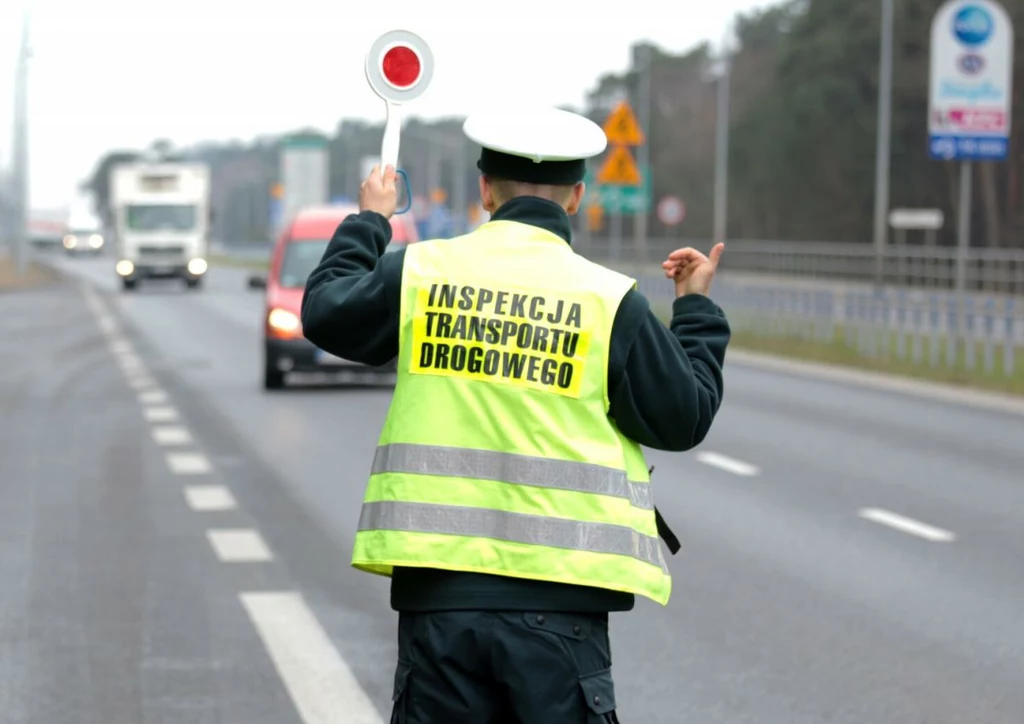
484, 667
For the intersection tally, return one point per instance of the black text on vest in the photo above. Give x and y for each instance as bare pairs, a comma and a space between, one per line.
499, 335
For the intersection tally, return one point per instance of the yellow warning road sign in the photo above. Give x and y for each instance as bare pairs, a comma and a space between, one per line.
622, 128
619, 169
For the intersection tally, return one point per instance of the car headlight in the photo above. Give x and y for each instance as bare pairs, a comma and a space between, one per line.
70, 241
95, 241
197, 266
124, 268
283, 320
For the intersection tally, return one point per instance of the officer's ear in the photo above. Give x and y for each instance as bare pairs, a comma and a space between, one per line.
576, 199
487, 199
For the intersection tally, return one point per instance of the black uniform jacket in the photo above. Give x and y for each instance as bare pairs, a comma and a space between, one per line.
665, 384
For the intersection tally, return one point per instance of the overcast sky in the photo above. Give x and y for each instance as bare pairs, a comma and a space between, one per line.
119, 73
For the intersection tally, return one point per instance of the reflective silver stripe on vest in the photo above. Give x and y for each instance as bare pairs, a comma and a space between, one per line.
511, 527
457, 462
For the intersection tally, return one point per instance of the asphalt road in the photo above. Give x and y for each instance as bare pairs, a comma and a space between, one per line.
849, 555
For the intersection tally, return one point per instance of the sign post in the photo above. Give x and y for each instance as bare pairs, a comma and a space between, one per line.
620, 170
927, 220
970, 101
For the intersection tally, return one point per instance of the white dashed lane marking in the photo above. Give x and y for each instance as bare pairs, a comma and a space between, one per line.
730, 465
160, 414
153, 397
129, 359
907, 525
170, 435
141, 382
319, 682
240, 545
188, 463
207, 498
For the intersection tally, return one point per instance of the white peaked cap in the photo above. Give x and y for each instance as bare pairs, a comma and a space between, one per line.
546, 134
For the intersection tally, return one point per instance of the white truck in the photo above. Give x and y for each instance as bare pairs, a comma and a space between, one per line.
161, 215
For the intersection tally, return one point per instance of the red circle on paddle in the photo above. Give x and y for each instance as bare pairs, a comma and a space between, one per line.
401, 66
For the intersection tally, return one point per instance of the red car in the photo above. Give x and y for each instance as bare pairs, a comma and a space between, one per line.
296, 254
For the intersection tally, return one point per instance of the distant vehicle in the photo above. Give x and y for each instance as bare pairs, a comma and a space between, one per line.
161, 220
83, 240
84, 234
296, 254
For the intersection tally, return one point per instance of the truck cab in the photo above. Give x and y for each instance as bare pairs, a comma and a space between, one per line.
161, 218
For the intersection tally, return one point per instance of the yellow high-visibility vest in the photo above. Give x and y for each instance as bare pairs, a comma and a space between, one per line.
498, 455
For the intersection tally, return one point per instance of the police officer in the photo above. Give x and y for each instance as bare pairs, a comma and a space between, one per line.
508, 499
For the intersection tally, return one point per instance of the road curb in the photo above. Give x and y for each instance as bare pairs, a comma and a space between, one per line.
879, 381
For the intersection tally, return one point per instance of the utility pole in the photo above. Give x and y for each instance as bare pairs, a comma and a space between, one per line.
644, 151
722, 145
460, 195
19, 182
883, 141
434, 161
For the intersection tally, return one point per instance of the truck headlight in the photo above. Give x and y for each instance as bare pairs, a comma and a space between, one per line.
124, 268
197, 266
70, 241
95, 241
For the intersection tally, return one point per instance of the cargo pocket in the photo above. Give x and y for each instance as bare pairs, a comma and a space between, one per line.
599, 695
399, 699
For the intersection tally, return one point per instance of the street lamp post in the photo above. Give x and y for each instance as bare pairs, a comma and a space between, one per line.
19, 182
883, 141
644, 106
722, 148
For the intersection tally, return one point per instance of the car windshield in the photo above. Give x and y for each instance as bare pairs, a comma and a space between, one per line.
160, 217
302, 257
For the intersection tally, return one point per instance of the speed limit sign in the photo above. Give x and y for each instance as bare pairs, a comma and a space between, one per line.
671, 211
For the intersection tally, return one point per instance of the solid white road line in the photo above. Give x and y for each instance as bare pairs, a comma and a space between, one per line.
153, 397
160, 414
240, 545
907, 525
171, 435
730, 465
188, 463
320, 683
120, 346
206, 498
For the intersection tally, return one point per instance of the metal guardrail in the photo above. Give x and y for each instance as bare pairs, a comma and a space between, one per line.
999, 271
918, 326
822, 293
241, 252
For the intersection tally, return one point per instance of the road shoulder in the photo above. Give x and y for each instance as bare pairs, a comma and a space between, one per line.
115, 608
977, 399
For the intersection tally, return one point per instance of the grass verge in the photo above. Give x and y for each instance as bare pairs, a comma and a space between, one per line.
887, 357
882, 352
222, 260
35, 275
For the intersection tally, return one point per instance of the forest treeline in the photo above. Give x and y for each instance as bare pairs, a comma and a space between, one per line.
803, 122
